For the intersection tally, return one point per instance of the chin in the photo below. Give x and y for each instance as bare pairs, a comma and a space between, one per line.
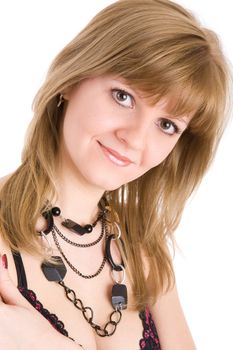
112, 187
109, 185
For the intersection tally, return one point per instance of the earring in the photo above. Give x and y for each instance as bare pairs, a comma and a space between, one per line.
61, 100
48, 247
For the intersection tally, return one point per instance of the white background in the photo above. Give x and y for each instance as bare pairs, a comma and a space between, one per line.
31, 34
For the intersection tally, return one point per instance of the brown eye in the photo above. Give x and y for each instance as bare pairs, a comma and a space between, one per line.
168, 127
123, 98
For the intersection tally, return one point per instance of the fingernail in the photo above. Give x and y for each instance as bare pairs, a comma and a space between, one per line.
4, 261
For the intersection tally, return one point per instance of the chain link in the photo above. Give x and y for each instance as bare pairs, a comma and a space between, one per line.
71, 265
80, 245
110, 326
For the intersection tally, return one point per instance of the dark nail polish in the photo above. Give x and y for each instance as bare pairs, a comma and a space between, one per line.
4, 261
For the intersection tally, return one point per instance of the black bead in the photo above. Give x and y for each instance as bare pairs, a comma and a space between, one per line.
54, 272
88, 228
119, 296
56, 211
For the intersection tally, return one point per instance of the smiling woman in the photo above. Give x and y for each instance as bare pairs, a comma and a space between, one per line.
131, 133
125, 126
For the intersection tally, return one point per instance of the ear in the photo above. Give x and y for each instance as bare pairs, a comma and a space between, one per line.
67, 93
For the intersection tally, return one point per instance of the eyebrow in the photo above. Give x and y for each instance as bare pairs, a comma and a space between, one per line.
131, 90
182, 120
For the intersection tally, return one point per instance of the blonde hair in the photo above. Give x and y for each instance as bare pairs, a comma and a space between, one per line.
162, 50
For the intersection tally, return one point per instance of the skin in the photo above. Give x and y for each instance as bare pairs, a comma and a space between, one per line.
97, 113
102, 111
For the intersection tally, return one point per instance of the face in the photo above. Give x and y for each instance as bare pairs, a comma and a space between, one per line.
111, 135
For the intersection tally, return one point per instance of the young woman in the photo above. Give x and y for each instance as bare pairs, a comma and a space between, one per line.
125, 126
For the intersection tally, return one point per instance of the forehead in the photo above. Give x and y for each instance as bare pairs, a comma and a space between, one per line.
170, 103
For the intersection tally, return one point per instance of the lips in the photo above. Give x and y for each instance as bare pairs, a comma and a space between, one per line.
115, 157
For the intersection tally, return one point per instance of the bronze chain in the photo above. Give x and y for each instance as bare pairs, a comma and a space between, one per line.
80, 245
110, 326
71, 265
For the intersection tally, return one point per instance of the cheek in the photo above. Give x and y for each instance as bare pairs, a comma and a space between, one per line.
89, 118
159, 152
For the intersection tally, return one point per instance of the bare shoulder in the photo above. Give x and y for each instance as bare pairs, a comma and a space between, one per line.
3, 180
4, 248
172, 327
173, 330
2, 244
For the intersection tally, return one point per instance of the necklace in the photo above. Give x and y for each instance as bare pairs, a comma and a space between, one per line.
55, 272
85, 245
71, 265
108, 329
74, 226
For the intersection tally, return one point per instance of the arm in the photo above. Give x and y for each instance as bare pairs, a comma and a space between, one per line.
171, 325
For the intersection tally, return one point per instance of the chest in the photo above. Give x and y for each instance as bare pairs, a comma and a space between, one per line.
95, 297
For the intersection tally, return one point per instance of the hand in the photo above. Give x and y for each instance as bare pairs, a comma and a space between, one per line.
21, 326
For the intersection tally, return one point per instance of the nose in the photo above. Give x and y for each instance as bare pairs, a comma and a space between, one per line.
135, 135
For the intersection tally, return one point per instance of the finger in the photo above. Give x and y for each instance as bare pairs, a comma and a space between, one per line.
8, 291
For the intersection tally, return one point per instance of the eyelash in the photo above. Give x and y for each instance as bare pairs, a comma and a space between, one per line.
121, 91
177, 130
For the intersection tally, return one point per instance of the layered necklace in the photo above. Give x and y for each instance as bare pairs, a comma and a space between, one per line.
56, 271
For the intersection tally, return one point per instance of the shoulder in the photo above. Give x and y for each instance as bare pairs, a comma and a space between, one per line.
169, 318
3, 180
4, 247
173, 330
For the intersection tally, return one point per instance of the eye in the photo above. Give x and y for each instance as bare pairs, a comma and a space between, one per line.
168, 127
123, 98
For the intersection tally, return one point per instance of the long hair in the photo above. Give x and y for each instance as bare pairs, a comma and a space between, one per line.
161, 49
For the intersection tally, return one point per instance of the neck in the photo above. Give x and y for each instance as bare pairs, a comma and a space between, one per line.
77, 200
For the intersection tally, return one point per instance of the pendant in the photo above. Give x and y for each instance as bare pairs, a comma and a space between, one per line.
54, 272
76, 228
119, 296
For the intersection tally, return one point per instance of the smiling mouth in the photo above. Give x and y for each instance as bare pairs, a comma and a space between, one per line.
115, 157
